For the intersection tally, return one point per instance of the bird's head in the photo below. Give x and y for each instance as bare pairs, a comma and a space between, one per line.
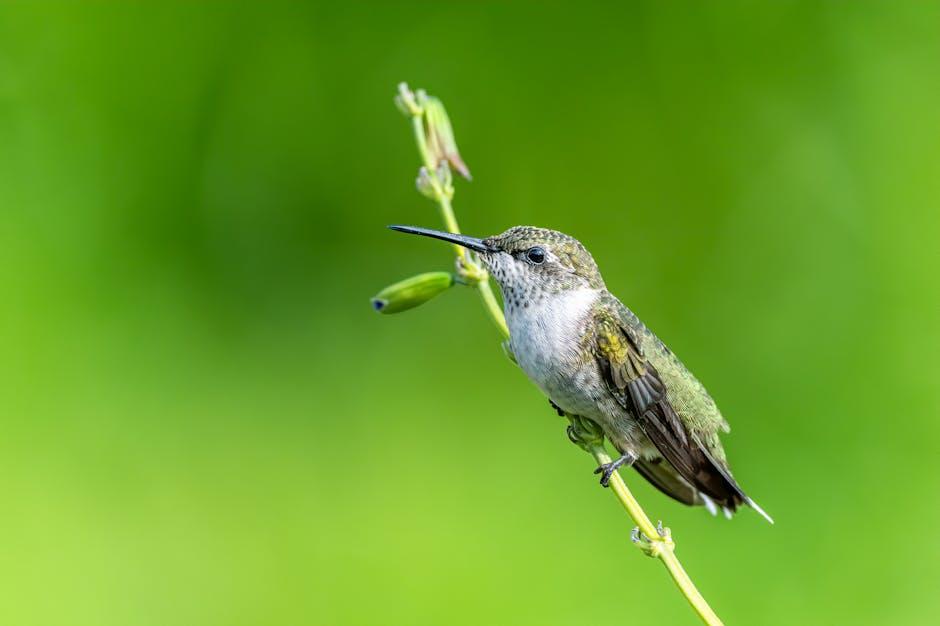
527, 262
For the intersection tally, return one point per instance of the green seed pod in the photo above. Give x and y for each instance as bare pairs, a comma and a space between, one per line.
411, 292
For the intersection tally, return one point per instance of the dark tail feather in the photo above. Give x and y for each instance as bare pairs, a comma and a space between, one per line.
739, 495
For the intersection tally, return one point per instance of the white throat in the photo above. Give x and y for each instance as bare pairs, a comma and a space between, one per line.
547, 334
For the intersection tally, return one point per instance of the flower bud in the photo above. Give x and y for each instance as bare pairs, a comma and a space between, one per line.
440, 135
405, 100
411, 292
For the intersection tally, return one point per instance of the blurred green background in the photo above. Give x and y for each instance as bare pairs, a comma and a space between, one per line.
203, 422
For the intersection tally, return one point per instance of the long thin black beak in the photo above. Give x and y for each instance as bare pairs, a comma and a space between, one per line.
461, 240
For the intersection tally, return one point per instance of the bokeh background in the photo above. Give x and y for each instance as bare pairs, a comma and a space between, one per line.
203, 422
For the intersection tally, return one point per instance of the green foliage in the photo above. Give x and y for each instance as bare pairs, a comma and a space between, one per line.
203, 422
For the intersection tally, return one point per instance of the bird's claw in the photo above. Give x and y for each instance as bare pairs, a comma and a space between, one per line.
584, 433
606, 470
572, 436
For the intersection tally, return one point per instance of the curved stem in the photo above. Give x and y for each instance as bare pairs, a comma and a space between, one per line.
483, 285
660, 541
492, 307
447, 214
450, 223
625, 496
688, 589
443, 202
655, 541
665, 552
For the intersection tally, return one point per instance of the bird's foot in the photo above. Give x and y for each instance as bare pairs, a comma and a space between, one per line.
573, 434
653, 546
607, 469
584, 433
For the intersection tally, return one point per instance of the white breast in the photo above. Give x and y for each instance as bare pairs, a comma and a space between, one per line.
546, 338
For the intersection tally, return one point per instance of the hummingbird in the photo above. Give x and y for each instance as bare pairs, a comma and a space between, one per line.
594, 359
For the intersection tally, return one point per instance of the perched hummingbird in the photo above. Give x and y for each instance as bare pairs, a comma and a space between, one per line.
596, 360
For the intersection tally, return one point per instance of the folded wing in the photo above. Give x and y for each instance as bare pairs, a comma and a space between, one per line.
636, 385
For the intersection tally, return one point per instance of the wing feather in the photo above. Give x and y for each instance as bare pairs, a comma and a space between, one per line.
636, 385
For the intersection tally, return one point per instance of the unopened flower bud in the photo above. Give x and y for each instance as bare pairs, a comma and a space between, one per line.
440, 137
405, 100
411, 292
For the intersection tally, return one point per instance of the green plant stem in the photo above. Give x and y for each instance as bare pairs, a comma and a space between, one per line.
481, 278
661, 545
656, 542
492, 306
483, 282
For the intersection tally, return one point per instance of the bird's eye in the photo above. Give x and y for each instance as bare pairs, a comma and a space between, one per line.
535, 255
